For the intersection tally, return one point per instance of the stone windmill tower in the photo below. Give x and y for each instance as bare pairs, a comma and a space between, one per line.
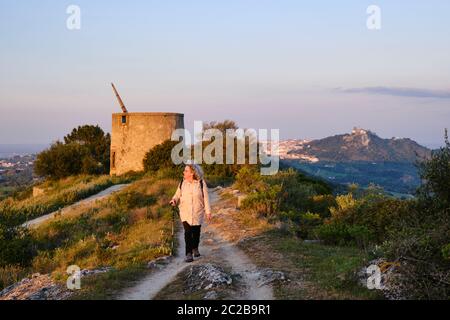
135, 133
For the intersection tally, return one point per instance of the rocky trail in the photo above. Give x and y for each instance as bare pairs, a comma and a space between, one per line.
207, 273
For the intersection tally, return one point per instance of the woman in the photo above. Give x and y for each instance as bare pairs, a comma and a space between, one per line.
193, 199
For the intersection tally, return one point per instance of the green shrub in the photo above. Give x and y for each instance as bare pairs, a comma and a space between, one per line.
249, 179
342, 234
160, 157
333, 233
298, 193
264, 203
364, 221
304, 224
16, 244
420, 241
289, 196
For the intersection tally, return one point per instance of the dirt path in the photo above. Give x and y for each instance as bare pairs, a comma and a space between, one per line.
214, 249
98, 196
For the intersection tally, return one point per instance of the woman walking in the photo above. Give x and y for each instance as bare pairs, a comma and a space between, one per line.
193, 201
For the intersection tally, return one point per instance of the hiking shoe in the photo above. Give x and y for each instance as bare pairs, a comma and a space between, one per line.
189, 258
196, 253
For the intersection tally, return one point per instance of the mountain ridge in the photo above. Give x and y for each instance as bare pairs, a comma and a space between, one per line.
359, 145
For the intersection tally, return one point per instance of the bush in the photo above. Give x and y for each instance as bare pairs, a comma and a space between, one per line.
248, 180
342, 234
160, 157
281, 195
298, 191
16, 244
304, 224
364, 221
421, 240
264, 203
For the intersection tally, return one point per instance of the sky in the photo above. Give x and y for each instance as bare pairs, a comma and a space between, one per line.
309, 68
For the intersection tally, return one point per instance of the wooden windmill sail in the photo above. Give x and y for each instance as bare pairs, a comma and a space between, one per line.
124, 109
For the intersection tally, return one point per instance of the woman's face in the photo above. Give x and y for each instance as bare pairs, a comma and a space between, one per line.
188, 173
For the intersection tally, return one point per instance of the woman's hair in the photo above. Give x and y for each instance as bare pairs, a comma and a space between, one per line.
197, 170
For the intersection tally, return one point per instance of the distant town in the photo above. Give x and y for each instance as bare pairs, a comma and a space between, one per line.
16, 171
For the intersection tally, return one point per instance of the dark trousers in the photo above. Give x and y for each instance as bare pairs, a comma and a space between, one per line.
191, 236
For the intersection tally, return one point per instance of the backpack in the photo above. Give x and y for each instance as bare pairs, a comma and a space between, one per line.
201, 187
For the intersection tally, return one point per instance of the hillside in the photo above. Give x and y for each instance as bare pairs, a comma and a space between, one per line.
359, 145
360, 157
128, 258
271, 237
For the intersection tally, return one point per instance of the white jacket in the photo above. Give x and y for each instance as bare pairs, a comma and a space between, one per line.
192, 203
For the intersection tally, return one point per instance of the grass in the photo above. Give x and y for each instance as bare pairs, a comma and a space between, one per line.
316, 271
11, 274
330, 270
105, 286
6, 191
123, 231
58, 194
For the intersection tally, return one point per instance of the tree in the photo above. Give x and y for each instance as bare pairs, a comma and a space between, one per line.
225, 170
84, 151
435, 174
222, 126
97, 145
422, 239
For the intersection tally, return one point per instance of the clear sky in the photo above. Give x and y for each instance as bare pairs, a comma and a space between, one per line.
309, 68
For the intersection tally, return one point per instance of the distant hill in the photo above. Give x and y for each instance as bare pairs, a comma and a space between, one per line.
359, 145
359, 157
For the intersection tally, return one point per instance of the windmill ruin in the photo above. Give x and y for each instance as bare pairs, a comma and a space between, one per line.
135, 133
